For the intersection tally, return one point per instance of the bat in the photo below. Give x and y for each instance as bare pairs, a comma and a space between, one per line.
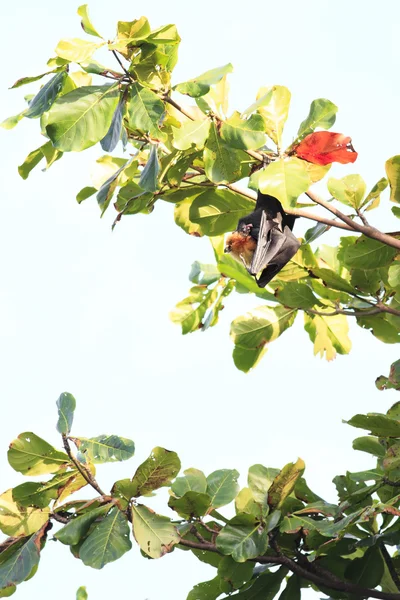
263, 240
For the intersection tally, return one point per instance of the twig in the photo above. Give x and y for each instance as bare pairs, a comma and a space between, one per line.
59, 518
392, 483
350, 313
122, 66
86, 474
362, 216
389, 563
333, 584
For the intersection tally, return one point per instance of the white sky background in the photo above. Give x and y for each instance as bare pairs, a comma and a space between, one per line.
85, 310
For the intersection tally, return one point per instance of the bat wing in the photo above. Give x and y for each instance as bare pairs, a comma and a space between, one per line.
282, 247
269, 243
274, 209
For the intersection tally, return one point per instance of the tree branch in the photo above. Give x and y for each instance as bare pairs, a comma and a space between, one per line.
368, 231
389, 563
333, 584
122, 66
86, 474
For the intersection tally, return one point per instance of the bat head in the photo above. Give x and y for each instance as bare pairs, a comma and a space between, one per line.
241, 245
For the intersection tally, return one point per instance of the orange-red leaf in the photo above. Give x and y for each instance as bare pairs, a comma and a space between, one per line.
325, 147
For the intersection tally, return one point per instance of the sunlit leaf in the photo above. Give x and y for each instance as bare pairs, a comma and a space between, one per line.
47, 151
191, 133
199, 86
244, 134
392, 167
274, 108
106, 448
16, 520
86, 23
31, 455
322, 114
221, 163
285, 179
329, 334
156, 471
154, 533
218, 211
284, 483
76, 50
349, 190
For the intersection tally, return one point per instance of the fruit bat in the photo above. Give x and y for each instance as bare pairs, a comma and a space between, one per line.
263, 240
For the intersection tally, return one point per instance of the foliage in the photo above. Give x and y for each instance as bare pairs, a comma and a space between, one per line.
192, 155
283, 537
298, 538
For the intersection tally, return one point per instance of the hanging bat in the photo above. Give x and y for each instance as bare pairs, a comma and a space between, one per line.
263, 240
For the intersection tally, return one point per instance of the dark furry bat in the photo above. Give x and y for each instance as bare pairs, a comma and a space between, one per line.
263, 240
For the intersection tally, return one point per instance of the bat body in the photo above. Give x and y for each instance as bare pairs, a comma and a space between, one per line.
263, 240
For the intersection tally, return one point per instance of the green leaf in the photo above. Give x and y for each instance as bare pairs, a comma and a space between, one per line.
260, 479
265, 587
45, 98
222, 486
285, 179
243, 538
108, 188
206, 590
292, 590
145, 112
74, 531
368, 570
245, 503
81, 593
191, 133
66, 404
322, 114
193, 481
296, 295
392, 458
244, 134
217, 211
374, 196
46, 151
190, 312
329, 334
85, 193
107, 542
26, 80
40, 494
230, 267
105, 448
12, 122
366, 254
113, 135
82, 117
149, 176
284, 482
17, 520
315, 232
191, 504
21, 558
392, 381
76, 50
30, 455
234, 575
221, 163
156, 471
260, 326
349, 190
379, 425
385, 327
392, 167
202, 274
274, 109
199, 86
86, 23
369, 444
154, 533
334, 281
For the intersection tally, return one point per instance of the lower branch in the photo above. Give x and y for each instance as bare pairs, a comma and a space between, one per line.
314, 577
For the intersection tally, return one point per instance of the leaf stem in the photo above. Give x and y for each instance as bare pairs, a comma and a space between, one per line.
86, 474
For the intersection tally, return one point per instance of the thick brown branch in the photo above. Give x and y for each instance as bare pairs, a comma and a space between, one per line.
368, 231
333, 584
86, 474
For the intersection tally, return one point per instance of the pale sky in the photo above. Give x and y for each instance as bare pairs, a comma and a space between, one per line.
85, 310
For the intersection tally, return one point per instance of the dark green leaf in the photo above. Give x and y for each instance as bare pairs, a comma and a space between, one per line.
206, 590
193, 481
113, 135
85, 193
292, 590
107, 541
369, 444
149, 176
243, 538
46, 96
367, 254
19, 559
79, 526
368, 570
379, 425
233, 574
145, 112
296, 295
192, 504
